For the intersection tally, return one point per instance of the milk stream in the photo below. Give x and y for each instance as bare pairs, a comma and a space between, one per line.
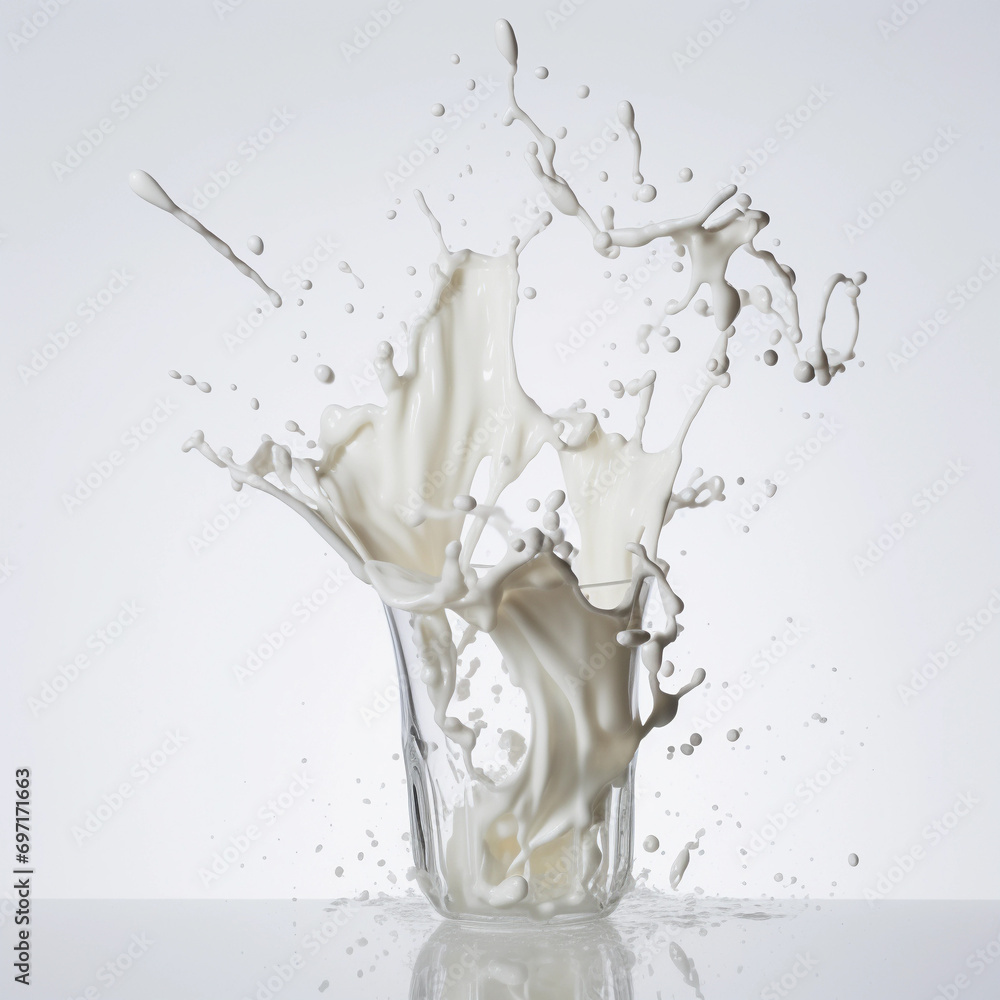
392, 494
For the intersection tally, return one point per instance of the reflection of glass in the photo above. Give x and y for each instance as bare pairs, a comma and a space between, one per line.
468, 962
536, 819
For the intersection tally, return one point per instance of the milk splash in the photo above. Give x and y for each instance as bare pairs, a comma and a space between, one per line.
391, 494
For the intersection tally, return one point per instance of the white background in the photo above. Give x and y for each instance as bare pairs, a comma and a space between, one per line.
318, 699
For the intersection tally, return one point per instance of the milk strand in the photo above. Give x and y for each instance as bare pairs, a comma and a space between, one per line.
392, 490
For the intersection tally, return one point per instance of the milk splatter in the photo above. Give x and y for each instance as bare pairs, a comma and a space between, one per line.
545, 602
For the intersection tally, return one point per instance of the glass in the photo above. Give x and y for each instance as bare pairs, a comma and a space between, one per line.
498, 754
472, 962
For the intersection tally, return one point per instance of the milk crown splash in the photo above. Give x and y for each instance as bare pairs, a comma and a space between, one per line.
391, 493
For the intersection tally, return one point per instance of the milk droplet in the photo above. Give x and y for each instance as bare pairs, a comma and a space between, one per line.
148, 189
541, 72
770, 358
470, 84
307, 284
852, 860
651, 844
437, 110
510, 891
603, 175
188, 379
684, 174
204, 387
529, 292
803, 371
291, 425
324, 373
583, 91
679, 867
646, 193
391, 214
672, 344
532, 504
174, 374
778, 877
506, 42
733, 735
254, 404
455, 58
255, 245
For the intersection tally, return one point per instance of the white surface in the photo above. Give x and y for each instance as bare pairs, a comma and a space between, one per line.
650, 949
323, 178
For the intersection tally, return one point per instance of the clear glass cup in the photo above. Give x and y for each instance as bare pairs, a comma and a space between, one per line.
536, 820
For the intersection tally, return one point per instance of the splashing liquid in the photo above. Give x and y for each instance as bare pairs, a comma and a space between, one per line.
392, 494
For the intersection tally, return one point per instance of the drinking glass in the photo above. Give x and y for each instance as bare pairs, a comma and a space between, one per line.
519, 747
